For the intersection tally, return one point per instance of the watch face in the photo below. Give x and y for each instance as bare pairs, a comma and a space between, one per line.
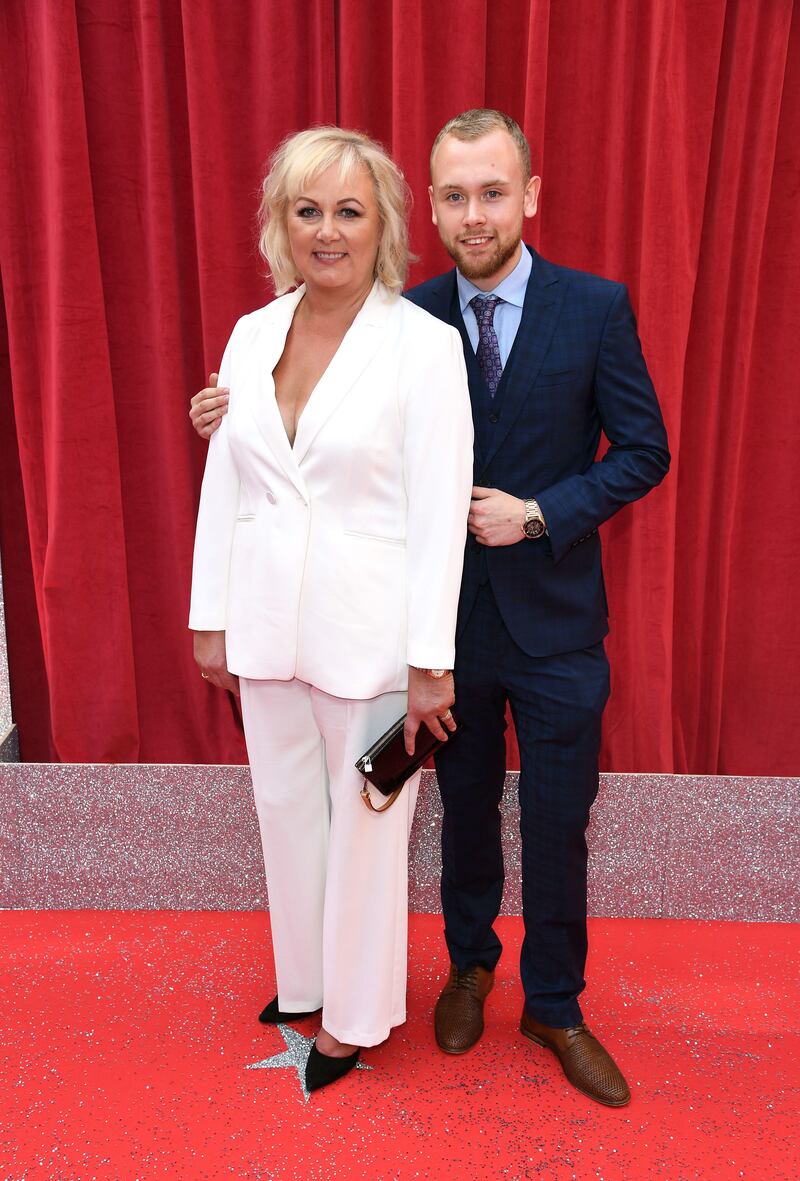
534, 528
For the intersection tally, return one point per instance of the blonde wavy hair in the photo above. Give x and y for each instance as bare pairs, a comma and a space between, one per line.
305, 155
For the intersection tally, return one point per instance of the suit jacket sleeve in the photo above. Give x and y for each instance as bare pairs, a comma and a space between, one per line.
216, 519
637, 458
437, 464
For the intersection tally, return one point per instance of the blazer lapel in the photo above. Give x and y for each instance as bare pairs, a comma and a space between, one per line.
540, 311
262, 393
360, 343
446, 306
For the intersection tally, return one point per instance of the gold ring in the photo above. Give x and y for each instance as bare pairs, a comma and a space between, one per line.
446, 717
204, 676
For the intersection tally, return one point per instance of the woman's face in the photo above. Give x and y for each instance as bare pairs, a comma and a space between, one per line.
334, 231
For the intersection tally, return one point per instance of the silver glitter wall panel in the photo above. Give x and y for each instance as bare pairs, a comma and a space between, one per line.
132, 836
734, 844
9, 751
185, 837
9, 746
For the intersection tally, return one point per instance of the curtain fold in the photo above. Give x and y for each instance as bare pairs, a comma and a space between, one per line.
62, 389
134, 138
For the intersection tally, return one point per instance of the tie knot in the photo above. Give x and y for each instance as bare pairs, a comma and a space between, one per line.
483, 306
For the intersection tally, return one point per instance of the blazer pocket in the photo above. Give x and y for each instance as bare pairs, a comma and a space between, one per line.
556, 377
375, 537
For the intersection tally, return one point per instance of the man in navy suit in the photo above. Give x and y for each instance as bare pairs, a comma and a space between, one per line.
553, 359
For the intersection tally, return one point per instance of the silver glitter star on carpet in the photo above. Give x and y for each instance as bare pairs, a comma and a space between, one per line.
294, 1057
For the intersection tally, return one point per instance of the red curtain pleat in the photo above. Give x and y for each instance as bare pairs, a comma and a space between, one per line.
63, 396
134, 136
736, 636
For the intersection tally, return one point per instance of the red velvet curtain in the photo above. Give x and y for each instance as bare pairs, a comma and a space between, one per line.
134, 134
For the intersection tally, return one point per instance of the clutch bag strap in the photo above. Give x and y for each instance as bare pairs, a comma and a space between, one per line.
368, 802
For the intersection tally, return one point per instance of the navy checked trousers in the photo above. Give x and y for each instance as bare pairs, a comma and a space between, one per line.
557, 704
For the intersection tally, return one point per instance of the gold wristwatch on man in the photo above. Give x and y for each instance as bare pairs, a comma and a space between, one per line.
533, 526
436, 674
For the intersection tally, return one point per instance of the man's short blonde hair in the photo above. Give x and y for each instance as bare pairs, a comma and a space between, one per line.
481, 121
305, 155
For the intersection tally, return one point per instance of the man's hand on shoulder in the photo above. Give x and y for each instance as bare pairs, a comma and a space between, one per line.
207, 407
495, 518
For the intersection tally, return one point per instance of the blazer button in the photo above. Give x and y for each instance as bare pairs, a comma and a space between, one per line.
494, 417
271, 497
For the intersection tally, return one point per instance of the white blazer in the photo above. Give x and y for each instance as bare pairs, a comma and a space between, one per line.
338, 560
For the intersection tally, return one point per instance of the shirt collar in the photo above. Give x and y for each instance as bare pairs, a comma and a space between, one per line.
511, 289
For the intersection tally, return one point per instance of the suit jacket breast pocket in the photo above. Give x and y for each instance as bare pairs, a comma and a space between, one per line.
550, 377
563, 407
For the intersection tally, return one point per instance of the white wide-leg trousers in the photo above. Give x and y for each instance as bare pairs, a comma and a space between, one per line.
337, 874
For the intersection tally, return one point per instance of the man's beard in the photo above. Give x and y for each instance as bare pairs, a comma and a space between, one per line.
483, 268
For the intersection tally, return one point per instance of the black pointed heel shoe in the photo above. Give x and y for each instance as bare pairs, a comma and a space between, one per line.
321, 1069
272, 1015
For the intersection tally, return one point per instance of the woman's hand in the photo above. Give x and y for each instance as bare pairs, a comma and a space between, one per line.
209, 652
429, 701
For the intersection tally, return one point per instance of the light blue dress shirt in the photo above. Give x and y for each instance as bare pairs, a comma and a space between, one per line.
507, 315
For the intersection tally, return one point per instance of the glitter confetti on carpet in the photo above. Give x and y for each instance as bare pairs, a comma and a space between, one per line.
129, 1040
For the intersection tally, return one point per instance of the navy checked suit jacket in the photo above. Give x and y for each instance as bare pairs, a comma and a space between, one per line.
576, 369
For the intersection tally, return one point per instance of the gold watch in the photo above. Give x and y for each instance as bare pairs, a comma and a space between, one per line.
435, 673
533, 526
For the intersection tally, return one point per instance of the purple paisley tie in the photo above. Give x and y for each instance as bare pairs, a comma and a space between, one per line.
488, 353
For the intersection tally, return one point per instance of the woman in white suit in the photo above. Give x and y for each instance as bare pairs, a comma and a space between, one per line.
326, 573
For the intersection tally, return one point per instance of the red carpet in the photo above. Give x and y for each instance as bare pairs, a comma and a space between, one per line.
128, 1037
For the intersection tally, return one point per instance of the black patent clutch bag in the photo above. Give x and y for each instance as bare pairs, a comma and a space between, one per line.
388, 766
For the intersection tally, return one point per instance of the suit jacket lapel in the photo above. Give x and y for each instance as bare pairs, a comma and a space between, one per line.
540, 311
449, 310
262, 393
357, 349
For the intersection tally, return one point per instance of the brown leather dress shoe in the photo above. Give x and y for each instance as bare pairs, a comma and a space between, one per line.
458, 1018
589, 1067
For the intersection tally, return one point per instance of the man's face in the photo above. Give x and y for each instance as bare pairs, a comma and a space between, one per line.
479, 200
